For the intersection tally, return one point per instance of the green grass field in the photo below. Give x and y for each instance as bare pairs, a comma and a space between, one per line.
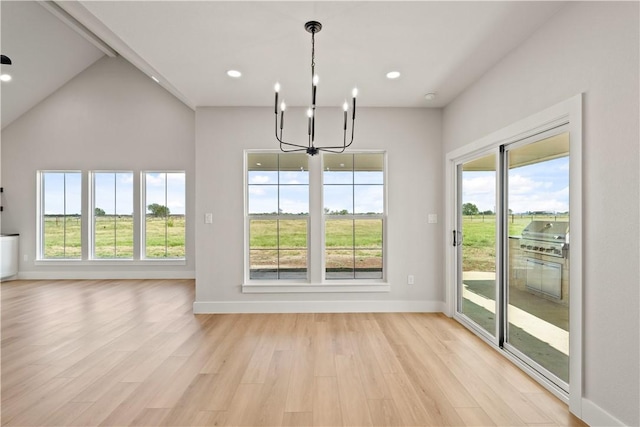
479, 243
347, 242
114, 237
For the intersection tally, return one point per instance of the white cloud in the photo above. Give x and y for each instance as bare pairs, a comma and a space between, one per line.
480, 190
256, 191
155, 180
549, 201
369, 199
260, 179
536, 193
293, 206
125, 178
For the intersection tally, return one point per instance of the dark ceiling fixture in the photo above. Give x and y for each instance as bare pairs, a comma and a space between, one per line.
5, 60
313, 27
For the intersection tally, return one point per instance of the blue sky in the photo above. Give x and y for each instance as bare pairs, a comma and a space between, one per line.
294, 191
542, 186
113, 192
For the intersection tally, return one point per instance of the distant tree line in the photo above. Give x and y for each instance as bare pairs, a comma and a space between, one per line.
472, 209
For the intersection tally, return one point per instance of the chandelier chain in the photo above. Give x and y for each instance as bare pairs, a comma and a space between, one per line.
313, 52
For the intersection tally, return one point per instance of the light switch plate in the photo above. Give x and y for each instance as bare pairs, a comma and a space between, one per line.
433, 218
208, 218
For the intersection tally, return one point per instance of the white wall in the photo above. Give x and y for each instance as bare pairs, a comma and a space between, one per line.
591, 48
413, 143
109, 117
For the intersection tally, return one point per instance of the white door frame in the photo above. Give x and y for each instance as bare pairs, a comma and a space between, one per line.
568, 112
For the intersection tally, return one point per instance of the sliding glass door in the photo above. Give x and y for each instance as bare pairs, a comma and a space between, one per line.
475, 239
537, 282
511, 241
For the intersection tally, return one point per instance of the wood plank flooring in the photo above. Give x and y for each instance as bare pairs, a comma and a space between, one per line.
131, 353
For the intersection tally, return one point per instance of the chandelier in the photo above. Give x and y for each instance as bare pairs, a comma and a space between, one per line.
313, 27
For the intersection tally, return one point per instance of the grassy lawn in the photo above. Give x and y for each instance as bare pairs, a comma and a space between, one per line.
479, 243
114, 237
347, 243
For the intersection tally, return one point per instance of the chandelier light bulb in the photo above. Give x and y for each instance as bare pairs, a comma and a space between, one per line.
309, 112
354, 92
315, 80
283, 106
277, 87
345, 106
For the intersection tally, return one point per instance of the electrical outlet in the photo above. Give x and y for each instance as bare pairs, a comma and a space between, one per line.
410, 279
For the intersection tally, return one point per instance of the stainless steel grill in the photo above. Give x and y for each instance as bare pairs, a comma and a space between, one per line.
546, 237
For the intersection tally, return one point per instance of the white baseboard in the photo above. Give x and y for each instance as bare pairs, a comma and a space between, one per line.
106, 274
595, 416
209, 307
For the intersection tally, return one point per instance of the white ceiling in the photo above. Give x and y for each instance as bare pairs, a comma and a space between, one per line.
438, 47
45, 53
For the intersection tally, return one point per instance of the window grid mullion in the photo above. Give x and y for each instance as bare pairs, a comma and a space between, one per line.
115, 215
64, 215
278, 221
353, 211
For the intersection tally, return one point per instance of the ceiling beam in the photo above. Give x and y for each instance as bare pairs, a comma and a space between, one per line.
81, 14
76, 26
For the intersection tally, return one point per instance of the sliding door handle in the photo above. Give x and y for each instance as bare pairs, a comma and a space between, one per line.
457, 238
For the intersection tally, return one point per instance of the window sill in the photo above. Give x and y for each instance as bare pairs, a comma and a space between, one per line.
281, 287
111, 262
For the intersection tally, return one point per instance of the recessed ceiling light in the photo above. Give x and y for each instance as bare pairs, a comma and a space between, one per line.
5, 77
234, 73
155, 79
393, 74
430, 96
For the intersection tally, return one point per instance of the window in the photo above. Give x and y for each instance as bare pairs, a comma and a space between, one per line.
353, 193
164, 222
315, 219
278, 211
60, 215
112, 215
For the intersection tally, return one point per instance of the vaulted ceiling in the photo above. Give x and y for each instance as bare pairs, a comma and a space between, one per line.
439, 47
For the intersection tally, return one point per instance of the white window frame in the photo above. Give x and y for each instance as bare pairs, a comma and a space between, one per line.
87, 205
315, 242
249, 217
353, 216
143, 219
40, 218
91, 216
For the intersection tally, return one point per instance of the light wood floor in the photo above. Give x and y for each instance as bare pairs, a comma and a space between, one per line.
130, 352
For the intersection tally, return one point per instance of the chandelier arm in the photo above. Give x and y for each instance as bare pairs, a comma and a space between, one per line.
343, 147
279, 138
301, 147
291, 151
